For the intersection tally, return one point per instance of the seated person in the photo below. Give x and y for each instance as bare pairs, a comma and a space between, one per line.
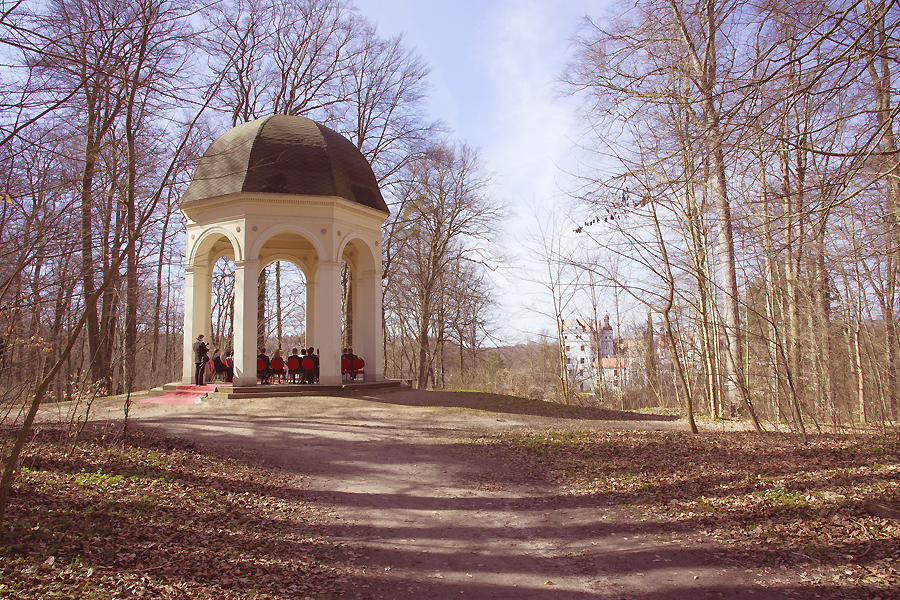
302, 370
266, 373
345, 363
279, 371
312, 353
351, 358
219, 367
294, 372
316, 360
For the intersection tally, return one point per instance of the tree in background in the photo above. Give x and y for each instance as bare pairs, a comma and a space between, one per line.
769, 144
449, 219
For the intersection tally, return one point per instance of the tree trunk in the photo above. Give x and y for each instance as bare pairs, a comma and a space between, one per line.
879, 66
130, 356
278, 300
157, 308
860, 385
705, 80
424, 343
98, 369
677, 364
424, 340
261, 310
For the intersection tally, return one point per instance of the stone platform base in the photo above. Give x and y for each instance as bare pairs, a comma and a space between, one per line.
278, 390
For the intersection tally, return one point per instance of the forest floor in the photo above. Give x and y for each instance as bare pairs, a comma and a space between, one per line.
410, 494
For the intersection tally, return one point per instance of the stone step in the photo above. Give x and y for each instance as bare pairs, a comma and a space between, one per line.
196, 388
284, 390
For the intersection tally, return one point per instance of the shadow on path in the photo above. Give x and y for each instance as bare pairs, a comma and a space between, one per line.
428, 516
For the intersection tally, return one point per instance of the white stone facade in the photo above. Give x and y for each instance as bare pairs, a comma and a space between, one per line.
591, 359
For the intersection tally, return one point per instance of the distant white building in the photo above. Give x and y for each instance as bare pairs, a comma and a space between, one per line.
580, 340
591, 358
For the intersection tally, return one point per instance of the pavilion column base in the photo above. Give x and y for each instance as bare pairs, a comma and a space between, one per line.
330, 379
244, 381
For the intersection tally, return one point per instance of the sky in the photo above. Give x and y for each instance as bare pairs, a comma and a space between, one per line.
495, 64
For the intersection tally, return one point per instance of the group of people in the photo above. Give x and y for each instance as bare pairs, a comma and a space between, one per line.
307, 375
219, 365
226, 365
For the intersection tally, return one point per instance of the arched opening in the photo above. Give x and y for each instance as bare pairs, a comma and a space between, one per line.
284, 296
221, 331
209, 294
282, 307
360, 287
346, 304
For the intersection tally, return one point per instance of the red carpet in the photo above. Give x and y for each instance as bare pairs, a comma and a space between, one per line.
183, 395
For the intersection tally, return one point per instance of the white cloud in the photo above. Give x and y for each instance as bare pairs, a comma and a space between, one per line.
495, 63
524, 54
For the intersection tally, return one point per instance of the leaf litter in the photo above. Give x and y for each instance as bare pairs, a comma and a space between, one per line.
155, 517
824, 514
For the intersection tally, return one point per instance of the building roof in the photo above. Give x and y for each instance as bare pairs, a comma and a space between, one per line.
284, 154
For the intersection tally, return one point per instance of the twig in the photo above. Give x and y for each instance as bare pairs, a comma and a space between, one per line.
805, 556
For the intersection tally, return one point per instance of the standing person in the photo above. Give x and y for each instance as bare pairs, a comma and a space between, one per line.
312, 354
229, 366
201, 351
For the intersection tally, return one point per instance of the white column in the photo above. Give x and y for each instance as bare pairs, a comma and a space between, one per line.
312, 289
187, 371
327, 322
197, 286
246, 281
367, 325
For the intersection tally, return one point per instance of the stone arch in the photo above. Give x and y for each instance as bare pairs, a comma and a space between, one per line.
275, 230
362, 260
208, 239
273, 258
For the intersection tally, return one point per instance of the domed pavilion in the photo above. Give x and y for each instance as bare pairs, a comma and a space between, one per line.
286, 188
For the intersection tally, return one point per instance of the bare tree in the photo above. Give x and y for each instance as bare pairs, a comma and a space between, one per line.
560, 282
385, 88
450, 217
281, 57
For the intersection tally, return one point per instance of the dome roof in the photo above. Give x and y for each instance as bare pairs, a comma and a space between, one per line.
283, 154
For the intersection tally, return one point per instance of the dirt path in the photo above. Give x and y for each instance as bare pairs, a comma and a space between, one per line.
426, 516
